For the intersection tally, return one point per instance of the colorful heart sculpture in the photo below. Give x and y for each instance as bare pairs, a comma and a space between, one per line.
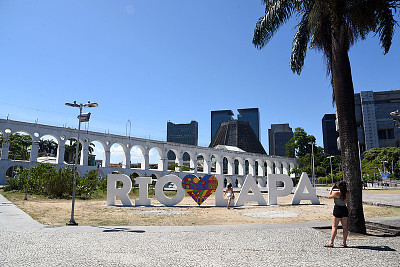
199, 188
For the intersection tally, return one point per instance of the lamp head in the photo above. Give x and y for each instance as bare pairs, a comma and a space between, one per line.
90, 105
72, 104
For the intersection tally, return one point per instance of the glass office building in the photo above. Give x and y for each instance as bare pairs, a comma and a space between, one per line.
278, 136
330, 134
375, 127
250, 115
218, 117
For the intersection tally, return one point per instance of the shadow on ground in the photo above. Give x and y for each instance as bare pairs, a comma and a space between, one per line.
375, 248
118, 229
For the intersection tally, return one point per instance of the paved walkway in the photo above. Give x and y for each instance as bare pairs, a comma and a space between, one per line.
370, 198
25, 242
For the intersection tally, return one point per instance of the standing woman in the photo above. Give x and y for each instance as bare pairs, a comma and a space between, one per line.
229, 194
340, 212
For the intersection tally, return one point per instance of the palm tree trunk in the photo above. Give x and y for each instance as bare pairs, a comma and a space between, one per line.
344, 97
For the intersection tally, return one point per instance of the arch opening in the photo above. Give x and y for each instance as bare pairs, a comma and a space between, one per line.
20, 146
200, 163
70, 151
136, 157
48, 146
186, 162
236, 161
224, 165
13, 171
213, 162
96, 155
154, 159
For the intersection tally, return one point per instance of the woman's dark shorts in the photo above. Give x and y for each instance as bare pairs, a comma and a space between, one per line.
340, 211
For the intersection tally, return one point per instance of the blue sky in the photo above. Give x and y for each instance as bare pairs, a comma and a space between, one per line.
151, 61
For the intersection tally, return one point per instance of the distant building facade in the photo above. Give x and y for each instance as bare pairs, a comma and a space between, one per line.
238, 134
250, 115
218, 117
182, 134
330, 135
278, 136
375, 127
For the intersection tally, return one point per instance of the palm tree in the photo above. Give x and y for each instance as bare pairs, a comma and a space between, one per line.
48, 146
71, 149
19, 144
332, 27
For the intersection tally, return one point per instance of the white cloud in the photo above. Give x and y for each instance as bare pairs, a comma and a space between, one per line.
117, 153
136, 154
153, 155
117, 149
130, 9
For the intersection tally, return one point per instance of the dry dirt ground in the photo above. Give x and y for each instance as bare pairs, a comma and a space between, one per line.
378, 191
96, 213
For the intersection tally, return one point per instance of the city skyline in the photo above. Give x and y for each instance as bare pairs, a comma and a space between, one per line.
143, 62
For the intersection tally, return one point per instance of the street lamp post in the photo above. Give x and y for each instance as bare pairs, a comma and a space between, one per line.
330, 161
81, 118
312, 162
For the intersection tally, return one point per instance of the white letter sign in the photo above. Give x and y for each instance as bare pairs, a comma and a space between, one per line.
299, 194
220, 201
143, 199
122, 193
250, 184
180, 193
273, 192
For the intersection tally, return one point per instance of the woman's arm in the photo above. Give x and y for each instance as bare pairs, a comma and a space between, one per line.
333, 194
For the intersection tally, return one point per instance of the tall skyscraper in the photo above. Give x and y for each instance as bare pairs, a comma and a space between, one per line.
375, 126
218, 117
374, 123
278, 136
251, 115
330, 134
182, 134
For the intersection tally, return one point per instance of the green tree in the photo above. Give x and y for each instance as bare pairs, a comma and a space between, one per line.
48, 146
299, 145
332, 27
88, 183
70, 150
19, 144
376, 157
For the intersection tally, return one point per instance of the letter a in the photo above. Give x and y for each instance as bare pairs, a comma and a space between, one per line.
299, 194
250, 184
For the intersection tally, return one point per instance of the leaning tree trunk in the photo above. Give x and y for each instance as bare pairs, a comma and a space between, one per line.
344, 97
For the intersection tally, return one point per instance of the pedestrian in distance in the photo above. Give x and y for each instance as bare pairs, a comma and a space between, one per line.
229, 193
340, 212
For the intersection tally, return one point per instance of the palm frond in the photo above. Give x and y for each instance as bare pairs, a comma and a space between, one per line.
386, 23
277, 12
300, 43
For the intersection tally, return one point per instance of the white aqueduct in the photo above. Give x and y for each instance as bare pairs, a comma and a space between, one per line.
259, 165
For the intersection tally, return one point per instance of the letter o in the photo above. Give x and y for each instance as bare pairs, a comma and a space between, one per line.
162, 198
